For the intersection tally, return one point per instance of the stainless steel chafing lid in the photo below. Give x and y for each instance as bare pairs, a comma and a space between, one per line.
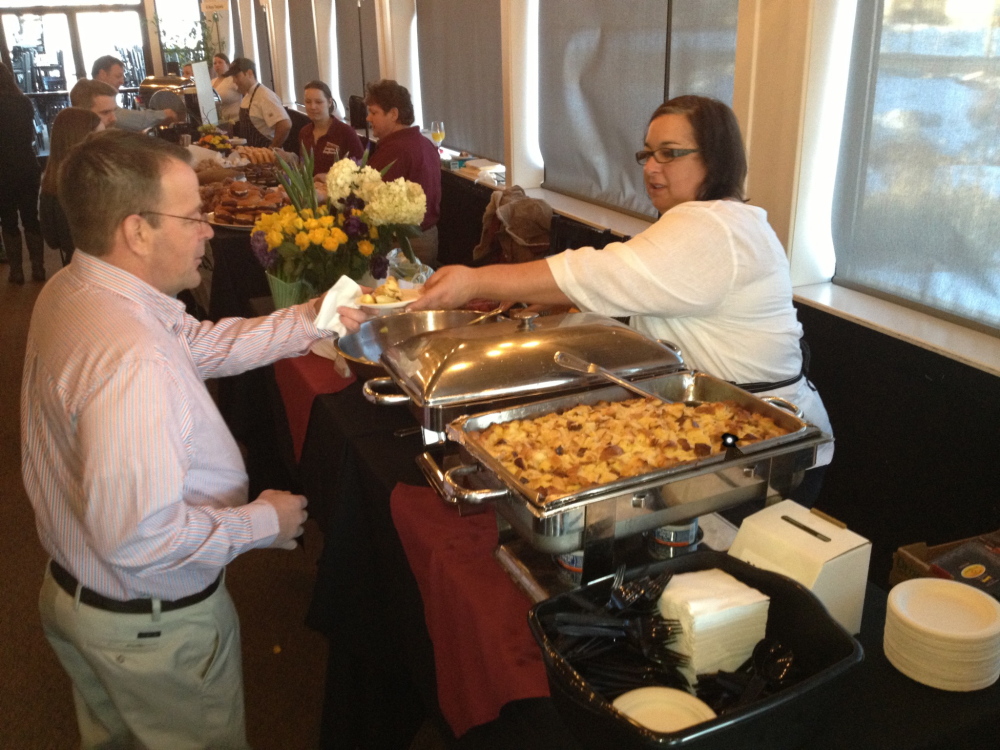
514, 358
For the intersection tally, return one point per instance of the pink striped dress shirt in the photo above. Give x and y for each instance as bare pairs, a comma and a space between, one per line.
138, 487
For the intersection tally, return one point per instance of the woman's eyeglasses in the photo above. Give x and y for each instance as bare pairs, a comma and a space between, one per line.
663, 155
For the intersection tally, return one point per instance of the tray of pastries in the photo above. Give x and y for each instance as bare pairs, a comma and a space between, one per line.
239, 203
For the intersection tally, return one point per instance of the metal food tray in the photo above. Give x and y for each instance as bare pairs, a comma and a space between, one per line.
687, 386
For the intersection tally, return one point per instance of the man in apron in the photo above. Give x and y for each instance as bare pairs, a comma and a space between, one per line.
263, 120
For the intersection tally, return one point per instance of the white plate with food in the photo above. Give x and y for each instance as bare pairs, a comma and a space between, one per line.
388, 298
221, 225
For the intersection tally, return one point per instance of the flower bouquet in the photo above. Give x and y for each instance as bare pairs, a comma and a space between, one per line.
215, 140
349, 234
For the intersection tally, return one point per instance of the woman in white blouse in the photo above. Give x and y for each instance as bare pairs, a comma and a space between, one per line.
229, 96
710, 275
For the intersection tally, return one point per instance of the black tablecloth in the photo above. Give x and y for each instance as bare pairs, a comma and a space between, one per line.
245, 400
381, 680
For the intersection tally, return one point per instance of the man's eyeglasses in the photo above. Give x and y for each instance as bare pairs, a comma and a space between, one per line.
202, 220
663, 155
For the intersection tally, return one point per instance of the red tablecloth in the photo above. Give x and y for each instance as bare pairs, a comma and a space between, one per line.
300, 379
476, 617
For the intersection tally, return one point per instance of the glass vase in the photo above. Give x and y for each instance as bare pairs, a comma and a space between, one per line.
287, 293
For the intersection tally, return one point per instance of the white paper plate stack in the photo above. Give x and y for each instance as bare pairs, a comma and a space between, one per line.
944, 634
721, 620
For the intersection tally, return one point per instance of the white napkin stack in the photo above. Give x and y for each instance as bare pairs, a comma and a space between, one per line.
342, 294
721, 620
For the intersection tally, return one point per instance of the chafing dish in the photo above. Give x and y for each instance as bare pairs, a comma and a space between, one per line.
181, 96
363, 349
447, 374
593, 518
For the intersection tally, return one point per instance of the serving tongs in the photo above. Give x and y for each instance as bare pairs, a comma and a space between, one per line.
578, 364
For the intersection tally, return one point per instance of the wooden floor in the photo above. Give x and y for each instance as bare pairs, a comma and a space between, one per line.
283, 661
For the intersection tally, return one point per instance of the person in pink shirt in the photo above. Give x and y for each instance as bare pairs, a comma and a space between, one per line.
138, 487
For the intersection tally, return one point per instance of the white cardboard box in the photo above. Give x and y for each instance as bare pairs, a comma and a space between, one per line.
830, 561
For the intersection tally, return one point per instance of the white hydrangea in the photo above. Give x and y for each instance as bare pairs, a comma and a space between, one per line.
396, 202
340, 180
367, 182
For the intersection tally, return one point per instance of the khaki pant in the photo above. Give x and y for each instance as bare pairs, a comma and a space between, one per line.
172, 681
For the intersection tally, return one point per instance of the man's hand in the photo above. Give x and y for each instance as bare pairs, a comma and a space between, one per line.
352, 318
169, 116
291, 510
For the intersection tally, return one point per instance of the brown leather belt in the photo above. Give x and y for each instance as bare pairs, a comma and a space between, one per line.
91, 598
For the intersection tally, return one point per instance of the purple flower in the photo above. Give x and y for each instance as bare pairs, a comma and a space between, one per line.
351, 202
379, 266
354, 227
258, 243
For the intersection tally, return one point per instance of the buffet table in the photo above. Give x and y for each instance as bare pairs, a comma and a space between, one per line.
385, 674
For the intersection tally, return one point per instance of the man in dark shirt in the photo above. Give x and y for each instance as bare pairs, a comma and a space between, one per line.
408, 154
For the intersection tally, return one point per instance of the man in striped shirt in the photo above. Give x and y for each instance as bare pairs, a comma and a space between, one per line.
139, 489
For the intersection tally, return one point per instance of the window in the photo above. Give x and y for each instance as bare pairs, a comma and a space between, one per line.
604, 68
917, 210
460, 72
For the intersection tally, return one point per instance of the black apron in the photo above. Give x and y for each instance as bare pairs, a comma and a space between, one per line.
244, 127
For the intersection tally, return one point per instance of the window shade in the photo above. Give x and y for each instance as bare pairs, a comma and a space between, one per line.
461, 82
917, 208
355, 36
603, 72
601, 76
305, 62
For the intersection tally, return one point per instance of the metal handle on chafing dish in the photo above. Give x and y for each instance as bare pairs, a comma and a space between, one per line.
784, 403
370, 389
454, 492
674, 348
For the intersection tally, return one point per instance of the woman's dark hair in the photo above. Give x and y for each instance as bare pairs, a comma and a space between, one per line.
719, 143
222, 57
320, 86
8, 84
388, 94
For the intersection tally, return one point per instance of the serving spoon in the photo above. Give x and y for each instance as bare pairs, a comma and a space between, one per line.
578, 364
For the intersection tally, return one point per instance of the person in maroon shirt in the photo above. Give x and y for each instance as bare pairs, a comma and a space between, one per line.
407, 153
327, 137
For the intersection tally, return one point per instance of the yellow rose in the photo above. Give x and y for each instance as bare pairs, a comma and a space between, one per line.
316, 236
307, 213
326, 222
365, 248
330, 243
302, 240
338, 234
288, 211
274, 239
312, 224
373, 232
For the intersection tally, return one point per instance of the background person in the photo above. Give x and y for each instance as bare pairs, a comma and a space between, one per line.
139, 489
19, 179
110, 70
98, 97
263, 120
710, 275
328, 137
229, 96
71, 126
407, 153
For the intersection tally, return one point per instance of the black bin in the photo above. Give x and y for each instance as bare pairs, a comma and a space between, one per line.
824, 651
